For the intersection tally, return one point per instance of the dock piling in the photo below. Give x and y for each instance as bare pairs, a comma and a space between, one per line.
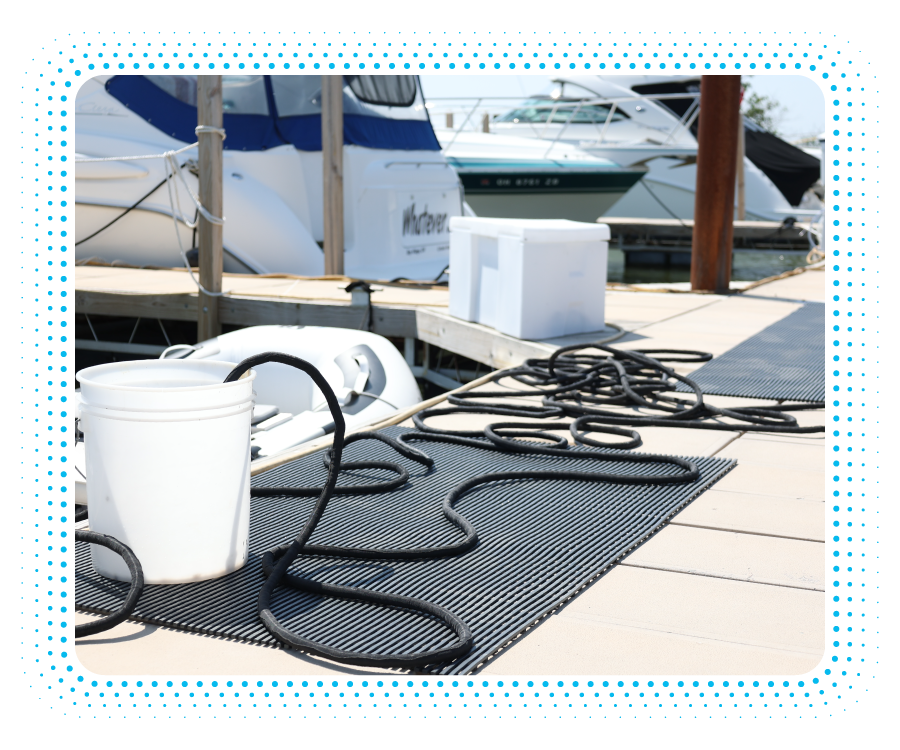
333, 173
209, 235
720, 98
741, 151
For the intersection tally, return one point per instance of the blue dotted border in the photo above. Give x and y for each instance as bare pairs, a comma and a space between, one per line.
50, 80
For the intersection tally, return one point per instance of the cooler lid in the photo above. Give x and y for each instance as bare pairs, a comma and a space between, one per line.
532, 230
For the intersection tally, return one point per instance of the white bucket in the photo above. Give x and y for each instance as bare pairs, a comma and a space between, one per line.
163, 385
167, 454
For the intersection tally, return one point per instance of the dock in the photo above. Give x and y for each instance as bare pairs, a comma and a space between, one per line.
668, 241
398, 311
734, 584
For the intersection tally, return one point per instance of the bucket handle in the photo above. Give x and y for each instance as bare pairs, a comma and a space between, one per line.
176, 347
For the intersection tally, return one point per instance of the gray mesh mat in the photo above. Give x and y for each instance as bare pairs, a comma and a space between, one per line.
540, 543
785, 361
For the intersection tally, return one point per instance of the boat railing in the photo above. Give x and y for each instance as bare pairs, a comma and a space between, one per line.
682, 124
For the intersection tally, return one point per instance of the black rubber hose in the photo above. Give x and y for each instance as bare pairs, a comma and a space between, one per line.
689, 473
573, 382
276, 562
134, 593
496, 437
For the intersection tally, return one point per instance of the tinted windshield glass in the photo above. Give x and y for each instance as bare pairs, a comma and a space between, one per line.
241, 95
388, 91
297, 95
302, 95
374, 96
561, 112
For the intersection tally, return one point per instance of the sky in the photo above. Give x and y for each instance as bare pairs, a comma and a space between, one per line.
802, 114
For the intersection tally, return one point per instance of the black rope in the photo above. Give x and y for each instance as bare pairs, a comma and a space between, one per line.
134, 206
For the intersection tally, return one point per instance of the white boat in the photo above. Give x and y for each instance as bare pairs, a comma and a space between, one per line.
651, 121
370, 378
400, 192
512, 177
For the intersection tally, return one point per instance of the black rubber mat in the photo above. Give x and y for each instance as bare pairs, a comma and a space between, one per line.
540, 543
785, 361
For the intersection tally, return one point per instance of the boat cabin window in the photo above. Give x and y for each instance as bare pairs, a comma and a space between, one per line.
363, 95
678, 106
387, 91
241, 95
560, 112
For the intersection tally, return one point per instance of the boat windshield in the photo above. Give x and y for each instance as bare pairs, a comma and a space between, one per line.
262, 111
241, 95
374, 96
560, 111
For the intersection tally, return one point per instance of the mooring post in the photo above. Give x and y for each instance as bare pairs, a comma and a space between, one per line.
209, 235
741, 150
333, 173
720, 98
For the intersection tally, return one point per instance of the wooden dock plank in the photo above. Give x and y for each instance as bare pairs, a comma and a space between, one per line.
249, 311
252, 300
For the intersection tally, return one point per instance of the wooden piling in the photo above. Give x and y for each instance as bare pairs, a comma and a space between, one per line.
209, 235
741, 151
714, 198
333, 172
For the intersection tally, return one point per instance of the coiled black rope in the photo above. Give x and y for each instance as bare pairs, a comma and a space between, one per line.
572, 383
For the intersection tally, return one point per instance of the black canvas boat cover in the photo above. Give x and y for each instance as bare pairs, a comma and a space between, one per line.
791, 169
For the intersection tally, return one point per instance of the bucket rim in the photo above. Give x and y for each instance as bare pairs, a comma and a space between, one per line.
168, 409
250, 375
196, 415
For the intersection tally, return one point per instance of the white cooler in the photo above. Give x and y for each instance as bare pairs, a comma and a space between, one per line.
529, 278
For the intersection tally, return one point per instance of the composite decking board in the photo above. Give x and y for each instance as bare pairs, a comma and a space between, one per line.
539, 544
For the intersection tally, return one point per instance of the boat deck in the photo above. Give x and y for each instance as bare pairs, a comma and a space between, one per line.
735, 583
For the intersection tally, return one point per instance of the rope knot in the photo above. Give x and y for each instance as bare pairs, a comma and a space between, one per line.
210, 129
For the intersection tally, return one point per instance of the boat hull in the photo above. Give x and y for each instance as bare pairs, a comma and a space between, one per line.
564, 193
587, 206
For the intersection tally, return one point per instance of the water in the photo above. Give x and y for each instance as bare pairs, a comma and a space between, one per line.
746, 265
